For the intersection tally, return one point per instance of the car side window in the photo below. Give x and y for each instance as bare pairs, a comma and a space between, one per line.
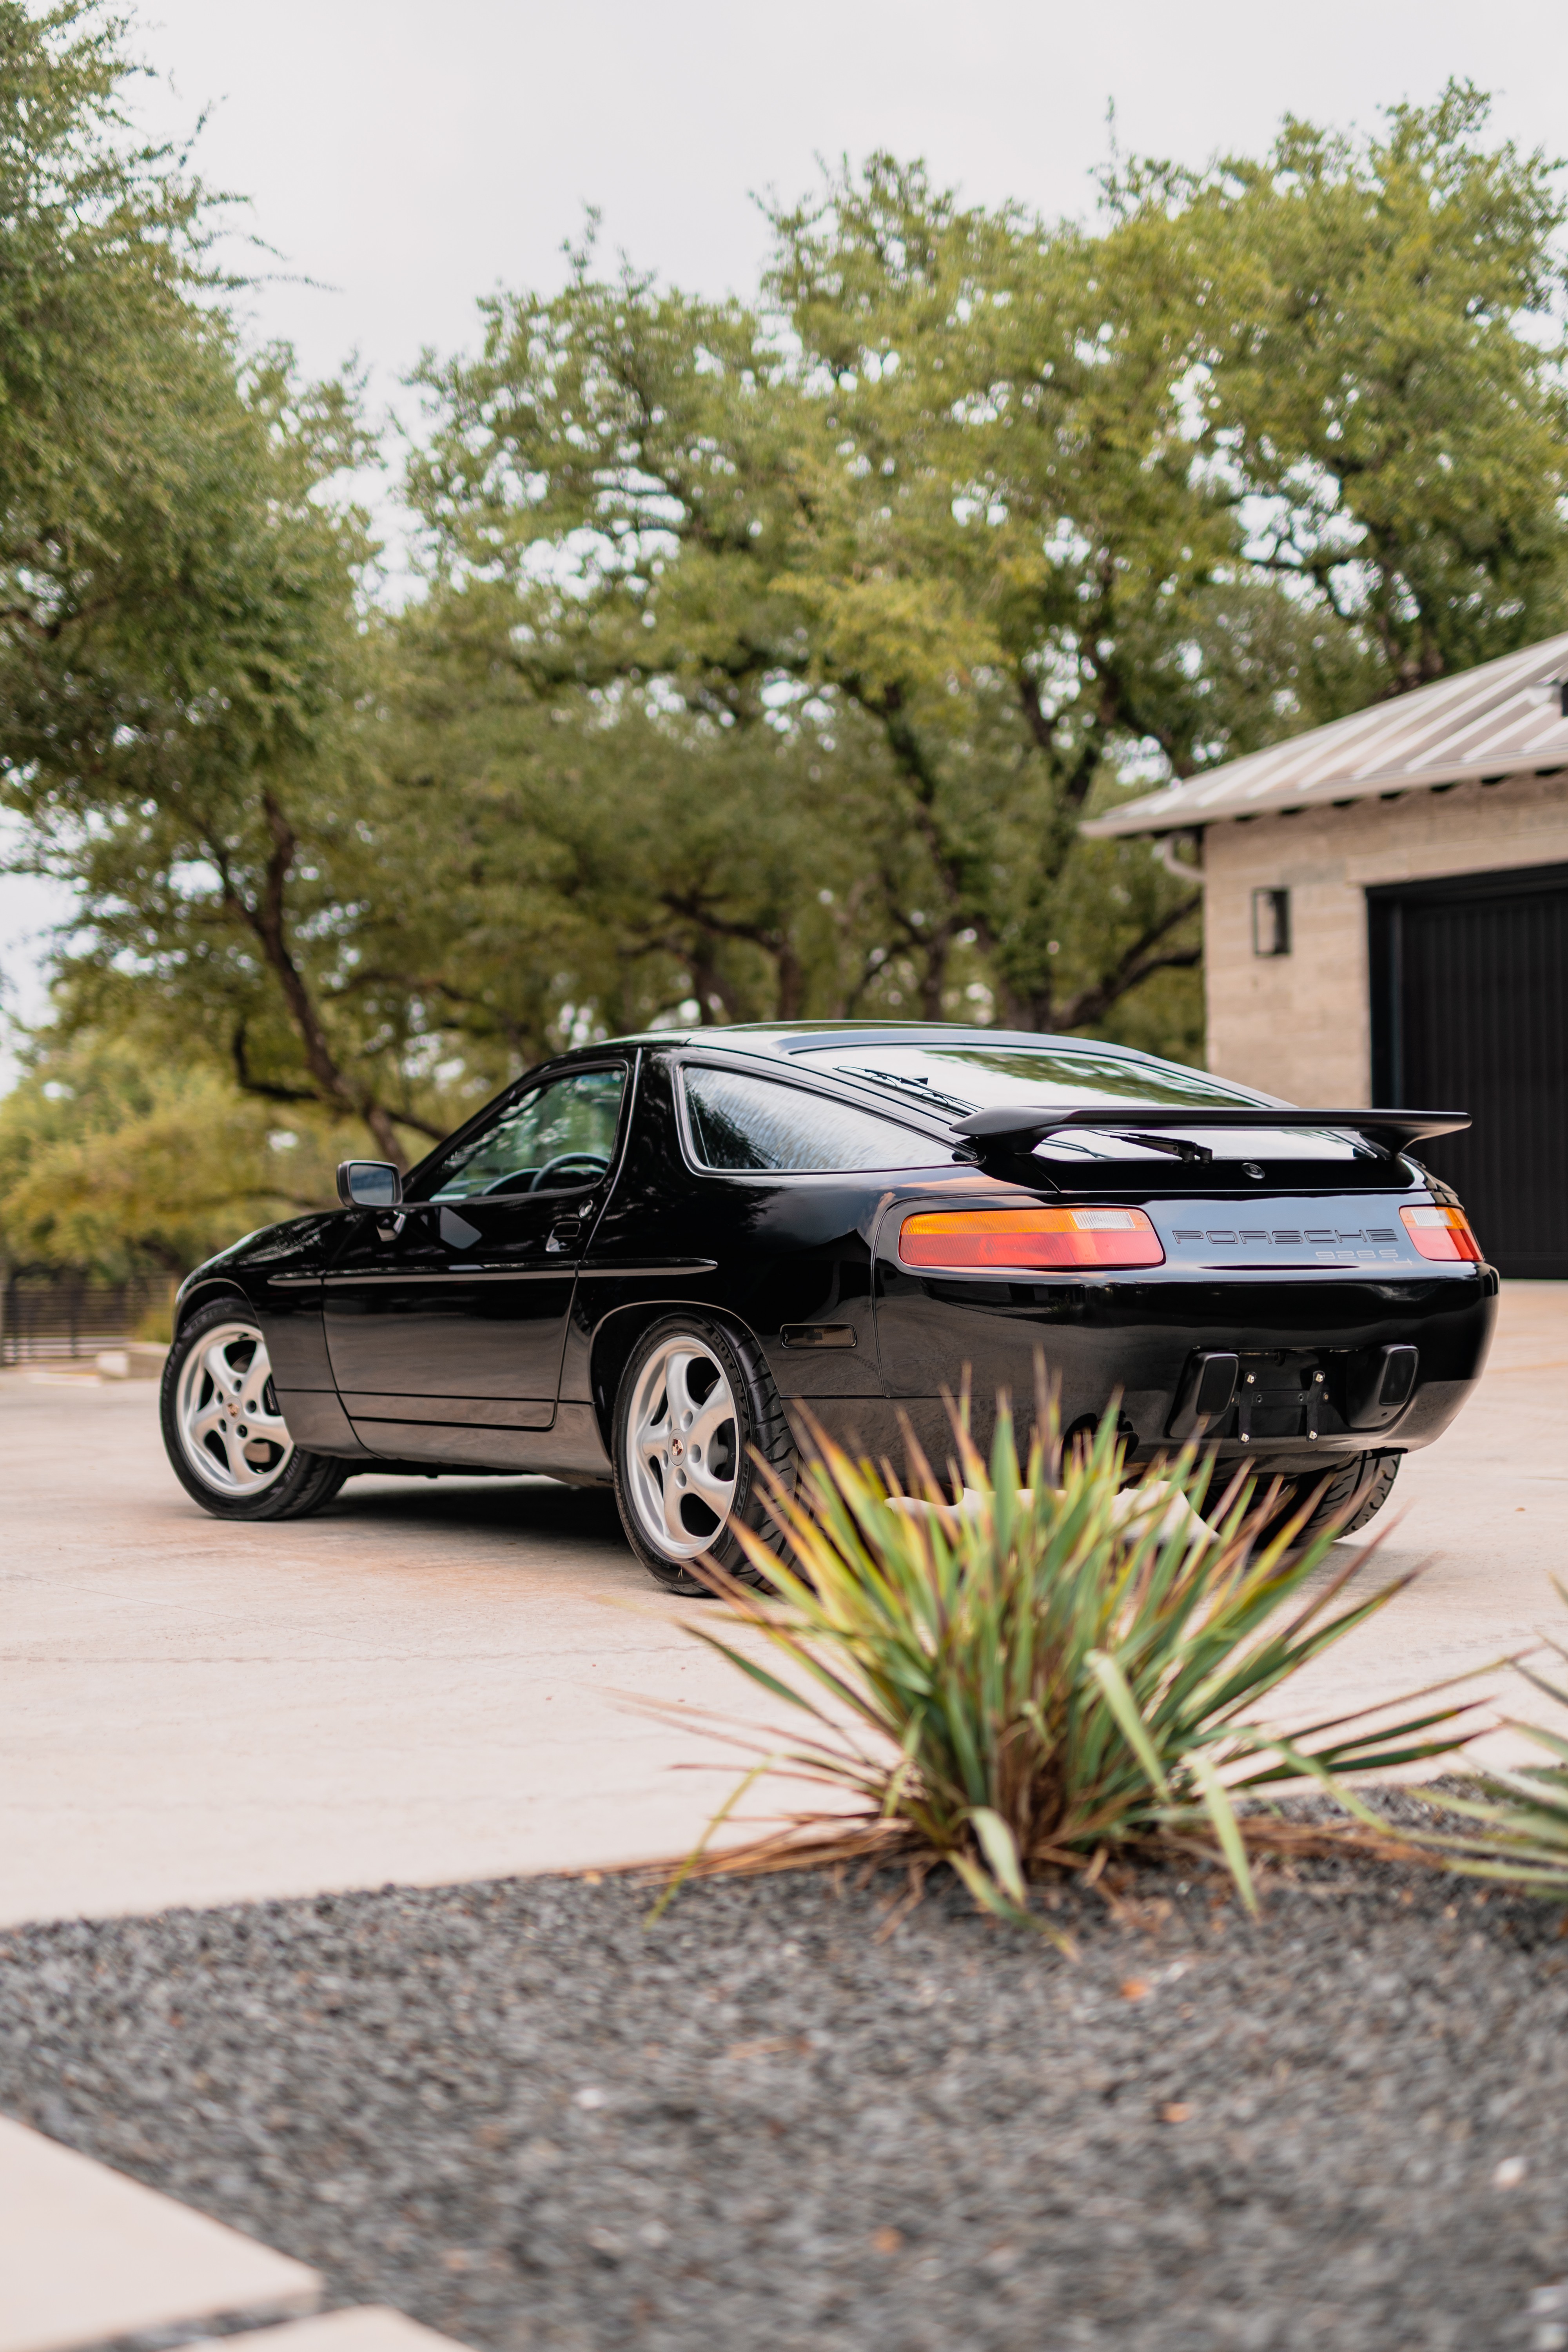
556, 1138
742, 1122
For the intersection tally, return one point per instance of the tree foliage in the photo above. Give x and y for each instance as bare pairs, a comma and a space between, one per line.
879, 526
113, 1161
180, 643
770, 652
1386, 378
973, 517
101, 250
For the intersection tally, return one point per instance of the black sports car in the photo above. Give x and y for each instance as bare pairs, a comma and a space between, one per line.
640, 1261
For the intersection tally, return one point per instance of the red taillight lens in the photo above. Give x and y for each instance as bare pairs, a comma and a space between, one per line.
1441, 1233
1029, 1238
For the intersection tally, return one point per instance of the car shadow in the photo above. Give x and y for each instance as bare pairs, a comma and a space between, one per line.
534, 1505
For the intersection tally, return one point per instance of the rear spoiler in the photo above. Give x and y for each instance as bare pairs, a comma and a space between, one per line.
1020, 1129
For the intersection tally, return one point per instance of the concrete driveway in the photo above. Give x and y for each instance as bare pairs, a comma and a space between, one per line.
431, 1682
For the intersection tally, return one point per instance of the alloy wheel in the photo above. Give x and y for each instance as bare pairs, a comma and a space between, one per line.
226, 1410
684, 1452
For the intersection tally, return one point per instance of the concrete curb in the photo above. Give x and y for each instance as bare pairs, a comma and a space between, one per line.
87, 2255
368, 2327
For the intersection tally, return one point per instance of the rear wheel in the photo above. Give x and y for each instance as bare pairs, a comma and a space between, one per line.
224, 1434
696, 1405
1353, 1494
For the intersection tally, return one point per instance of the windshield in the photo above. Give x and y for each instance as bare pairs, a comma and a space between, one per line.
961, 1078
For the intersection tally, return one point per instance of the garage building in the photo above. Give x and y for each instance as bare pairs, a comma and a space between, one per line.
1387, 921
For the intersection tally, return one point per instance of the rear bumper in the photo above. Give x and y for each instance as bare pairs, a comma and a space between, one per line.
1139, 1337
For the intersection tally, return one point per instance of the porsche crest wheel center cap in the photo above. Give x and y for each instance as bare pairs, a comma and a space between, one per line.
677, 1449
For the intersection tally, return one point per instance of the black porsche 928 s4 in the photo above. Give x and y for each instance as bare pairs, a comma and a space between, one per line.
639, 1263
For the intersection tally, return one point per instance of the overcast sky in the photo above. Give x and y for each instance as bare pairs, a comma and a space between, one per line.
404, 158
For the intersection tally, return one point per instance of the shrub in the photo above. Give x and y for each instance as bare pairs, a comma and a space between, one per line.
1521, 1815
1058, 1668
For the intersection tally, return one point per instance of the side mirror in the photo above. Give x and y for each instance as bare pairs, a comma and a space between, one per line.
369, 1184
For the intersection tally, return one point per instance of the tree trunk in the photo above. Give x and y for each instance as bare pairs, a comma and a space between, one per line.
268, 920
791, 981
933, 976
1139, 962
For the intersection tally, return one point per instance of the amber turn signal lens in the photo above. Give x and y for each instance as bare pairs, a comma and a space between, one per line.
1442, 1234
1029, 1238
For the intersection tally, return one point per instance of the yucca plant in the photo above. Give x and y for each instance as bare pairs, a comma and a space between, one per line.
1056, 1669
1516, 1819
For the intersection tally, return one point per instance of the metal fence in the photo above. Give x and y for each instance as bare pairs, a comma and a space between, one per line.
44, 1316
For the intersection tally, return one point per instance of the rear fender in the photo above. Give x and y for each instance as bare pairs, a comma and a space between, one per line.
618, 1333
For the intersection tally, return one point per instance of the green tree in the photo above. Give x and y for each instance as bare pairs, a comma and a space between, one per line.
1001, 514
102, 252
184, 655
771, 654
189, 751
1383, 377
596, 856
110, 1161
850, 520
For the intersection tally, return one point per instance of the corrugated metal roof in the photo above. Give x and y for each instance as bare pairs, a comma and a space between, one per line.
1504, 717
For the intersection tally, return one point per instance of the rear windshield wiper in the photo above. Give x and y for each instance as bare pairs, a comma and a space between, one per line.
1179, 1147
920, 1088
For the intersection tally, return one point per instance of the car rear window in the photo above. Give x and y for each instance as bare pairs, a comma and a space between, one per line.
740, 1122
981, 1077
970, 1076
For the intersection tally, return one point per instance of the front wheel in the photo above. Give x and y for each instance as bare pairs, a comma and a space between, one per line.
223, 1431
695, 1409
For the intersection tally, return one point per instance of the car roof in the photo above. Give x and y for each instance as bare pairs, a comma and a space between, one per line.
780, 1039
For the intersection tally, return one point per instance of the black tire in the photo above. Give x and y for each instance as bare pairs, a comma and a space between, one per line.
755, 1425
1353, 1493
284, 1481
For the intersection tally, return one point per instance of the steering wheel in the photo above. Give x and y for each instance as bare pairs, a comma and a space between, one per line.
592, 1161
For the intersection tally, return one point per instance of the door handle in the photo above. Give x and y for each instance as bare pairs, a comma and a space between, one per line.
563, 1233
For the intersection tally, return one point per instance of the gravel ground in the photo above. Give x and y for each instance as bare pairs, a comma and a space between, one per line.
525, 2117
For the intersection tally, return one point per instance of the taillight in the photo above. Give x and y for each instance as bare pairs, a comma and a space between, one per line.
1030, 1237
1442, 1234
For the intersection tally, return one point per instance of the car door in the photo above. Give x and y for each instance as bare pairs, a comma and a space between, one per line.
452, 1312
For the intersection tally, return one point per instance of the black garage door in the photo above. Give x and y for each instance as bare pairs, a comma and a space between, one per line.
1469, 980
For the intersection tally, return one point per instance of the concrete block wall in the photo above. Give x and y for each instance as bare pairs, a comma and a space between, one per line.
1300, 1025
